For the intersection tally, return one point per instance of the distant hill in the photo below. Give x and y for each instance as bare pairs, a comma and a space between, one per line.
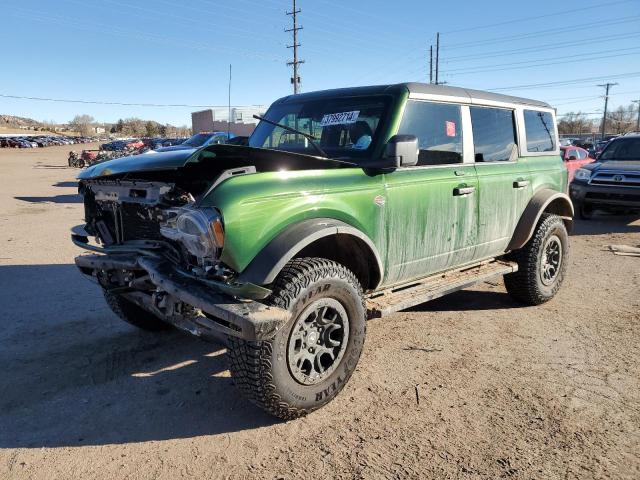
11, 121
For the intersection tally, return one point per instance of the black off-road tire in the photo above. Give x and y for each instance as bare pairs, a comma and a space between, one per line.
262, 369
585, 211
133, 314
527, 284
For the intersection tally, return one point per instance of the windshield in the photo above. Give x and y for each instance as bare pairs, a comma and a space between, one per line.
622, 149
198, 140
344, 127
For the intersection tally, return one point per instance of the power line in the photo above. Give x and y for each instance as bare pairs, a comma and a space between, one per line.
567, 82
562, 62
125, 104
529, 18
503, 38
546, 46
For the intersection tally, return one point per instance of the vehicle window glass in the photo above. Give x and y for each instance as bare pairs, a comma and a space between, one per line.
582, 154
494, 134
438, 127
540, 131
622, 149
344, 127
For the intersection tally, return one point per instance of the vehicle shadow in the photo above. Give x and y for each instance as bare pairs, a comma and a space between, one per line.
468, 300
74, 374
70, 198
604, 223
65, 184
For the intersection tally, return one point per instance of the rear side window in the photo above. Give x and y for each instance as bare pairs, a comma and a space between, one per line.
438, 127
540, 131
494, 134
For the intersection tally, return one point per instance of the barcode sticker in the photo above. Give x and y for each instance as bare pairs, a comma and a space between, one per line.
339, 118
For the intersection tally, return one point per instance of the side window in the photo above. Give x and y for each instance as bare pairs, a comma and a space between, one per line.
582, 154
540, 131
438, 127
494, 134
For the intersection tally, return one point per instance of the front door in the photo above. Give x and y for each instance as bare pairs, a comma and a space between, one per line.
431, 209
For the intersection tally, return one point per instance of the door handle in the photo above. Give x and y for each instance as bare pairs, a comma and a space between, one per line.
459, 173
462, 191
520, 183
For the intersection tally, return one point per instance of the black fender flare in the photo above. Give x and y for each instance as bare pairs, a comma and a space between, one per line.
267, 264
544, 200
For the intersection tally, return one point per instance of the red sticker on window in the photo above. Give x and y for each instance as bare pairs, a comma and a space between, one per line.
451, 128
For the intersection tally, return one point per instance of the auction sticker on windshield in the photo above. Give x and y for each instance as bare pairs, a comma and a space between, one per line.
339, 118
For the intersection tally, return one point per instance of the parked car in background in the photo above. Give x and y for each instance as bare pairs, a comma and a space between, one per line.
200, 140
574, 158
612, 182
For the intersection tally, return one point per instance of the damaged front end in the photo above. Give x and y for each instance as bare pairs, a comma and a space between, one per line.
154, 245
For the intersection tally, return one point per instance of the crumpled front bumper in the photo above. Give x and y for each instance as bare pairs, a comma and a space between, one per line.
214, 314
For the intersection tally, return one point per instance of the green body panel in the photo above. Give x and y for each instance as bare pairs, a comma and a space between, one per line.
258, 207
547, 171
429, 229
500, 203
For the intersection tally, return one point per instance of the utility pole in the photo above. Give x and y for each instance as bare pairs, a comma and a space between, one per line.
430, 63
295, 80
638, 120
606, 103
437, 55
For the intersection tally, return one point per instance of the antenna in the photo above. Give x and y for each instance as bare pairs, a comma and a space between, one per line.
295, 80
430, 63
229, 107
437, 56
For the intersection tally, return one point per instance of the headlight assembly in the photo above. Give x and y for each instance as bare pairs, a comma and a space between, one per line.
200, 231
582, 174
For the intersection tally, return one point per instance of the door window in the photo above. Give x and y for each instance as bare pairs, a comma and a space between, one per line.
540, 131
582, 154
438, 127
494, 134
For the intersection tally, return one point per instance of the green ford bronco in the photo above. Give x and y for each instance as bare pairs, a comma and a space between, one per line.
345, 205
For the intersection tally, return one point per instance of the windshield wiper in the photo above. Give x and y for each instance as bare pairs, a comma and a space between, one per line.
311, 138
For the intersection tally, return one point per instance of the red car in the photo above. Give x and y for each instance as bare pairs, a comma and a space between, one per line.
574, 158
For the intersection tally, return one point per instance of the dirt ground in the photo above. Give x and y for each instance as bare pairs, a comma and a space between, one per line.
504, 391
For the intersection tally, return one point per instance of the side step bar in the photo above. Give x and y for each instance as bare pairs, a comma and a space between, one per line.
405, 296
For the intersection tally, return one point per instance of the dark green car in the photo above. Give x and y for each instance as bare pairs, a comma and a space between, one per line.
346, 205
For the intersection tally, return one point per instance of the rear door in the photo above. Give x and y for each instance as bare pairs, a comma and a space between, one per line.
504, 182
431, 208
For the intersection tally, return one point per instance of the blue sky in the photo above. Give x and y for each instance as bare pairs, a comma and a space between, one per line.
178, 52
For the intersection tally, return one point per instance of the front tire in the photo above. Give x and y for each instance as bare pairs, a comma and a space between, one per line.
133, 314
310, 359
585, 211
542, 263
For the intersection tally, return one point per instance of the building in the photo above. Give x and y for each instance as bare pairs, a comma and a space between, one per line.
242, 121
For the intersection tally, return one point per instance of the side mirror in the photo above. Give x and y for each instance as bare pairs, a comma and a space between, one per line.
402, 150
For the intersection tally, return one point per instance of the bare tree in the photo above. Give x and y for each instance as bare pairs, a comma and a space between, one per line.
621, 120
82, 124
575, 123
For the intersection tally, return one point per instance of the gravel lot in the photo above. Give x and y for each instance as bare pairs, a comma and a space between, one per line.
504, 391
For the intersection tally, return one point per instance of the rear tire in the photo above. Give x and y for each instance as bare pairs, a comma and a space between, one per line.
310, 359
133, 314
542, 263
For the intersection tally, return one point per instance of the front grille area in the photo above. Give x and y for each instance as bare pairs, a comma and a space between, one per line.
123, 221
616, 178
619, 197
138, 223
